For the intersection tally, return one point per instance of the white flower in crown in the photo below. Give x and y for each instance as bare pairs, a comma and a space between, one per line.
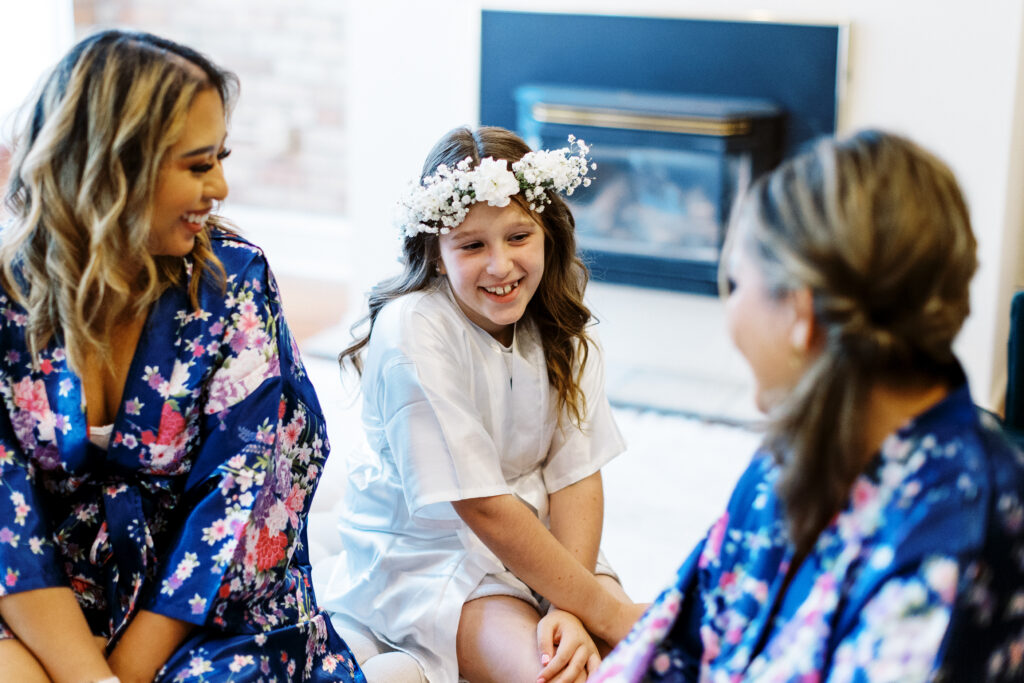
441, 201
494, 183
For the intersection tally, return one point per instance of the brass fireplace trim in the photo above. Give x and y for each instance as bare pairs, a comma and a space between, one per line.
610, 118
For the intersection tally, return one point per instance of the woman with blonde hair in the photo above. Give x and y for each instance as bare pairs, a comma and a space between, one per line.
159, 440
878, 533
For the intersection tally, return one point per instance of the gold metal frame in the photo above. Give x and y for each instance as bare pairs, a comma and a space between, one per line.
610, 118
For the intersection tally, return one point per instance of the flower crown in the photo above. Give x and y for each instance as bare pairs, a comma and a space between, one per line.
441, 201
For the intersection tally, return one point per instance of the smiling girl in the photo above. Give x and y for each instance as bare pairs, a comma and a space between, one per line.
472, 526
159, 440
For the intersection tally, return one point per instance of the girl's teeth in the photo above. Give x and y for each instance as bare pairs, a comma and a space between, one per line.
197, 218
501, 291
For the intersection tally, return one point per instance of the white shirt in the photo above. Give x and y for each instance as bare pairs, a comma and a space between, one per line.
445, 420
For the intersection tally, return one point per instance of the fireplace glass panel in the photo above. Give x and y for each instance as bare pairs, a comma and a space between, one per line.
664, 203
656, 212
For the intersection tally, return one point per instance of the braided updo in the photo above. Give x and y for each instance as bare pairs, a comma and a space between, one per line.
877, 229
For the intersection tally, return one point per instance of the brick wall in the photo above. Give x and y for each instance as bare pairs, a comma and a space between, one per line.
287, 130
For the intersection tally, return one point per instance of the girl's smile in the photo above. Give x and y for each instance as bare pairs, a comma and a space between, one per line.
494, 262
501, 292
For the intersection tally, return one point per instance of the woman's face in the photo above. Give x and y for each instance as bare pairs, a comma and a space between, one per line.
768, 330
191, 179
494, 261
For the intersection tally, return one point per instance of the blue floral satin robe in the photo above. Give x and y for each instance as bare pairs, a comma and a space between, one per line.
920, 578
197, 510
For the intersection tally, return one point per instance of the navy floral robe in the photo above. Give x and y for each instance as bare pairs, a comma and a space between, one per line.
197, 510
920, 578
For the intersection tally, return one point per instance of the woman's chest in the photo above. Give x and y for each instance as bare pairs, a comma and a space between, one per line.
153, 398
103, 379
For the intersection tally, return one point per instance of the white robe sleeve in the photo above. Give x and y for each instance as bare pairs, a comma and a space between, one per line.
577, 453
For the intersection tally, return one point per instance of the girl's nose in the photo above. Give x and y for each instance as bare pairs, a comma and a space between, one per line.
499, 263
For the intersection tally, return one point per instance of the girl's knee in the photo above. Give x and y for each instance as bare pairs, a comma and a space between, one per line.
393, 667
379, 661
362, 644
497, 640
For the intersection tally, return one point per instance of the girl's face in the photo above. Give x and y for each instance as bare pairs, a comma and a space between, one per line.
494, 261
767, 329
191, 179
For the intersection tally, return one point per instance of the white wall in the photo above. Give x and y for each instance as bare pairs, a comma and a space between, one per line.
35, 35
944, 72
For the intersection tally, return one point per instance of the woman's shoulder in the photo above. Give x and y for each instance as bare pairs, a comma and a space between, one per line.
943, 477
234, 251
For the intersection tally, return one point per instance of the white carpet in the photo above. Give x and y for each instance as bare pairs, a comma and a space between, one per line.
660, 495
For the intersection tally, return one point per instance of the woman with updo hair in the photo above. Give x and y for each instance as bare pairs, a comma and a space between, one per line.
878, 532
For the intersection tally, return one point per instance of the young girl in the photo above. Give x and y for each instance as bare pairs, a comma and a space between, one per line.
159, 440
879, 534
480, 501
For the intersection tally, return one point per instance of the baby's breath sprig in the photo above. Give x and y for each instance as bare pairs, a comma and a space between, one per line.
440, 202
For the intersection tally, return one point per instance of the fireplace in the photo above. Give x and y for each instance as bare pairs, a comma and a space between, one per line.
669, 168
682, 114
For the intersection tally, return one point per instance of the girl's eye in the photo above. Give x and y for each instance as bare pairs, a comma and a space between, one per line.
730, 286
520, 237
471, 246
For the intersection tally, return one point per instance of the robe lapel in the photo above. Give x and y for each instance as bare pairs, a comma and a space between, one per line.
530, 394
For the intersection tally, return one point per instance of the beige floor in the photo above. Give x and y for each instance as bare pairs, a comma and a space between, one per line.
306, 320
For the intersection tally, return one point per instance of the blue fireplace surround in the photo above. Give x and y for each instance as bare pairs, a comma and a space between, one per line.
795, 66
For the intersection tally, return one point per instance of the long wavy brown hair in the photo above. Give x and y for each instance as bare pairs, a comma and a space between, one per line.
556, 308
83, 178
877, 229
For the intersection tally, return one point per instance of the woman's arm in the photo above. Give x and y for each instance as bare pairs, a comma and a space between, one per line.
526, 547
49, 622
146, 644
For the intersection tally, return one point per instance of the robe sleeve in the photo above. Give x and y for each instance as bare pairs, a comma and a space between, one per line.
666, 643
434, 425
262, 447
668, 632
27, 556
576, 452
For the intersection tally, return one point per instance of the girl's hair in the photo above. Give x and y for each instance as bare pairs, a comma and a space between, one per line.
82, 184
877, 229
557, 307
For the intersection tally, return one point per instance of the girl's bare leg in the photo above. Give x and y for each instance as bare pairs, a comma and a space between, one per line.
497, 641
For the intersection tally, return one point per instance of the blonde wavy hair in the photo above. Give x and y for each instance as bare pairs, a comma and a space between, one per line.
83, 177
877, 229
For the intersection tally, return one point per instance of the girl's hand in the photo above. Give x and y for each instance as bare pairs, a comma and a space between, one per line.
568, 653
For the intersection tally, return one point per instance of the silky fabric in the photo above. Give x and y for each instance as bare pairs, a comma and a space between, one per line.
919, 578
197, 508
445, 420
